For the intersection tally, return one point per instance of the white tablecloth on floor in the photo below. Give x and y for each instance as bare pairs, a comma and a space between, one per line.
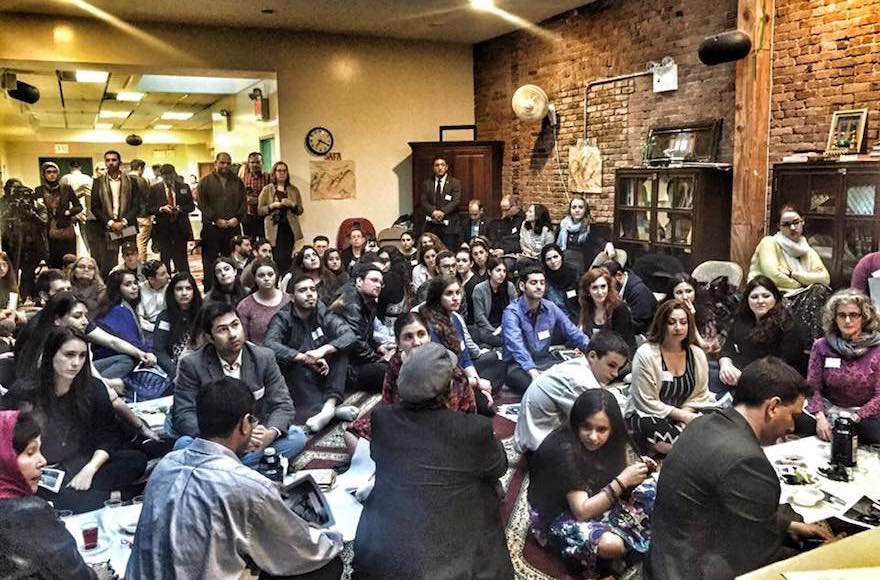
817, 453
153, 412
119, 549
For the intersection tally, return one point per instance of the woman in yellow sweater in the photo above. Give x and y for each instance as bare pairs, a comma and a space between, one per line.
797, 270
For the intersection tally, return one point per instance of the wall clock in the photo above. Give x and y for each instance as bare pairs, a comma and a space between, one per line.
319, 140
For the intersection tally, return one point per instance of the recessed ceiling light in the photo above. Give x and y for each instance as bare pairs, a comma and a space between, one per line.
161, 127
114, 114
176, 116
129, 96
482, 4
91, 76
103, 125
216, 117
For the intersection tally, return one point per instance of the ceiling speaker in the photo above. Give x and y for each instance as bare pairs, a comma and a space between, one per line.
134, 140
725, 47
24, 92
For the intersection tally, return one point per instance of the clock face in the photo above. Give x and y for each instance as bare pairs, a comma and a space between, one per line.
319, 140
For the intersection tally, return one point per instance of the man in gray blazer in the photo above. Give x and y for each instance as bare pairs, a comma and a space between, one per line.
717, 512
440, 198
229, 354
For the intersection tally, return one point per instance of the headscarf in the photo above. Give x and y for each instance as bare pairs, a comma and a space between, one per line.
46, 165
565, 278
12, 482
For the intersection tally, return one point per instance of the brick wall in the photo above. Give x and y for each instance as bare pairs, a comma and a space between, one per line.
603, 39
826, 57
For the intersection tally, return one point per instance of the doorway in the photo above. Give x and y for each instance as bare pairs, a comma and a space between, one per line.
267, 146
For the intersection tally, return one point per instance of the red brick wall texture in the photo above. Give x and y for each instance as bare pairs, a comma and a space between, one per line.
826, 57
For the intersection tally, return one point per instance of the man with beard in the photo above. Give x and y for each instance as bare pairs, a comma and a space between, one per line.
115, 209
254, 179
223, 202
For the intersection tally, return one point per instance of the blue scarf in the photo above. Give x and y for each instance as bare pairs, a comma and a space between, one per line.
569, 226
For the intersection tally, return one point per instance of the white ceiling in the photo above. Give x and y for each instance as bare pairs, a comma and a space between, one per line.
442, 20
82, 103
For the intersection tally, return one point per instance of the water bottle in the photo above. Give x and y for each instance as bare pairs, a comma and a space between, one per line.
844, 441
270, 466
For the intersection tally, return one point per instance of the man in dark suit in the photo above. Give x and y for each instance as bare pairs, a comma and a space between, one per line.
228, 353
641, 301
115, 209
475, 224
223, 202
170, 203
440, 198
504, 232
717, 513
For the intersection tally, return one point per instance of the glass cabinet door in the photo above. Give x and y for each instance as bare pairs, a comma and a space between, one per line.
674, 227
820, 235
860, 192
634, 191
676, 192
634, 224
860, 238
823, 193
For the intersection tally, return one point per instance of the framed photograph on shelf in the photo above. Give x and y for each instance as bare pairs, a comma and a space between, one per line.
847, 132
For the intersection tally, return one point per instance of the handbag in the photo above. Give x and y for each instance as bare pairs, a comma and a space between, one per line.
146, 383
65, 233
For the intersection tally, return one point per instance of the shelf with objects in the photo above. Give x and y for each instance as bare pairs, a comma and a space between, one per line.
840, 201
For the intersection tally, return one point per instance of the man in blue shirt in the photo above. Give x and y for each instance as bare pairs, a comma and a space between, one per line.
528, 325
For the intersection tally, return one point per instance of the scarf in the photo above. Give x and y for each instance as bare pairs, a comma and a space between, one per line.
851, 349
569, 226
793, 252
12, 482
563, 279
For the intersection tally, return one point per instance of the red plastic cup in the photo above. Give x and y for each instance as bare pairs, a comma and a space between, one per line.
90, 535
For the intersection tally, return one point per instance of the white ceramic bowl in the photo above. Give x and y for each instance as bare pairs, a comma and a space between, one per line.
807, 496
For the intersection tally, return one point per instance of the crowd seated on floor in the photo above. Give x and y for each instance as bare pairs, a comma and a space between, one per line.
612, 384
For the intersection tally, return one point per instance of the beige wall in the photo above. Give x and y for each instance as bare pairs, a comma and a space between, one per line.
374, 94
22, 156
246, 131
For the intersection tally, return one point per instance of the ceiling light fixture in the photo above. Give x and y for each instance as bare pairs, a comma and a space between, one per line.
485, 5
217, 117
176, 116
91, 76
129, 96
114, 114
161, 127
103, 126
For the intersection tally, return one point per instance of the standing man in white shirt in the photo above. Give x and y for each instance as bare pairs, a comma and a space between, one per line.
440, 198
115, 209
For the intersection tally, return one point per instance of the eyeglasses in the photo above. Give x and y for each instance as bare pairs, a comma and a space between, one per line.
846, 316
791, 224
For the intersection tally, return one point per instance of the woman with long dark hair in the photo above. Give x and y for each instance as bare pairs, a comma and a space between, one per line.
81, 438
174, 326
490, 298
426, 268
536, 231
762, 326
280, 205
585, 502
8, 284
562, 281
602, 308
118, 316
336, 273
394, 296
308, 262
35, 542
670, 379
227, 285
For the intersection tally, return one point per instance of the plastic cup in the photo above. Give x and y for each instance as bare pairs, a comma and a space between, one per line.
137, 500
113, 503
90, 535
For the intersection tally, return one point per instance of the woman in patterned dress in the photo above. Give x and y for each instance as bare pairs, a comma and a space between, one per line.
584, 501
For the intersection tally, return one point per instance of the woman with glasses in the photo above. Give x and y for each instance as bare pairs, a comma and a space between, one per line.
844, 367
280, 205
787, 259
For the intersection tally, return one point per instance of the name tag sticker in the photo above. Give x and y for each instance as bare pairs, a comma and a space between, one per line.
571, 293
462, 346
832, 363
513, 230
164, 325
875, 274
666, 377
317, 333
447, 197
259, 394
497, 331
544, 335
500, 355
414, 262
445, 222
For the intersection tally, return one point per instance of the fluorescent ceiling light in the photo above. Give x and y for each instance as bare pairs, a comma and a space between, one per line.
129, 96
91, 76
103, 125
216, 117
199, 85
114, 114
161, 127
176, 116
482, 4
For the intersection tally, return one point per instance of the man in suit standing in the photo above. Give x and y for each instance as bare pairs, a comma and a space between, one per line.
115, 209
228, 353
170, 203
440, 198
223, 202
717, 513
